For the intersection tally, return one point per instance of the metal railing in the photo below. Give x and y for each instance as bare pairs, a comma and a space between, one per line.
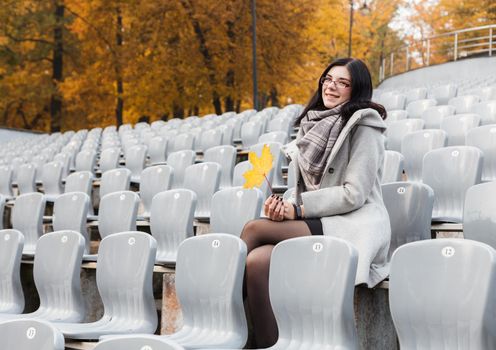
470, 42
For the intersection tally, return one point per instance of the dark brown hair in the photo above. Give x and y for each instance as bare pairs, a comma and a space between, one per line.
361, 91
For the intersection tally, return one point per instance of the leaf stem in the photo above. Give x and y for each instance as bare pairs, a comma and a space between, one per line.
268, 183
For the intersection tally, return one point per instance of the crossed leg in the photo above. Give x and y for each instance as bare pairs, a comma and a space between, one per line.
260, 237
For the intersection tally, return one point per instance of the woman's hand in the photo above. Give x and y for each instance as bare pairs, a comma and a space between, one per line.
275, 208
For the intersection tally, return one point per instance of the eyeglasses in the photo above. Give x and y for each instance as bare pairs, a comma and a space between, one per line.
339, 84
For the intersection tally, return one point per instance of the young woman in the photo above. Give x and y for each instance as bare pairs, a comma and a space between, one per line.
339, 159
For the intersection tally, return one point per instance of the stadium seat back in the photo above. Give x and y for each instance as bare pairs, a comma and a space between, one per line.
26, 178
27, 217
51, 178
209, 280
114, 181
440, 294
250, 132
233, 207
135, 161
81, 181
487, 112
210, 138
70, 211
158, 150
397, 130
28, 334
204, 180
225, 156
415, 109
11, 294
409, 205
184, 141
118, 212
6, 181
464, 104
309, 320
484, 138
457, 126
393, 167
450, 171
56, 272
179, 161
154, 179
109, 159
479, 213
433, 116
414, 147
171, 221
86, 160
274, 136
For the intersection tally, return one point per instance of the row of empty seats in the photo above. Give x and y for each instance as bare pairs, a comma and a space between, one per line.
424, 297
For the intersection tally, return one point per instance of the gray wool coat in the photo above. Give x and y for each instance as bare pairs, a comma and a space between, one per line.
349, 200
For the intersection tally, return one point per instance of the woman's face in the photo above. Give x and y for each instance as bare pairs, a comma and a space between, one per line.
336, 86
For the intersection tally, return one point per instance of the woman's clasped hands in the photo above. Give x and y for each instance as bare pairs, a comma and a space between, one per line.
277, 209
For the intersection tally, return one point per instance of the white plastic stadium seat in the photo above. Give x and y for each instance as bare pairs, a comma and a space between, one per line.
204, 180
56, 272
438, 294
433, 116
397, 130
124, 280
450, 171
443, 93
414, 147
27, 217
457, 126
464, 104
11, 294
479, 213
308, 320
171, 221
393, 167
484, 138
409, 205
415, 109
154, 179
487, 112
209, 281
30, 335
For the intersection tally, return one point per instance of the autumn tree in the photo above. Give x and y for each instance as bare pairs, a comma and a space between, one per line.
32, 48
70, 64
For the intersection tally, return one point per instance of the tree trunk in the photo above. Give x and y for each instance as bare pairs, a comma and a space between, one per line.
57, 68
177, 110
217, 103
228, 101
207, 58
274, 98
118, 71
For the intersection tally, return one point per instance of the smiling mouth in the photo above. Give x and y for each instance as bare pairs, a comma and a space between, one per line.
329, 95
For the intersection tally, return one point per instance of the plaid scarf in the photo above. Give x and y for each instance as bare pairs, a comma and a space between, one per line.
319, 130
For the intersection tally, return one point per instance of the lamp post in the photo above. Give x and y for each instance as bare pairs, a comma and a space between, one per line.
351, 28
364, 10
254, 52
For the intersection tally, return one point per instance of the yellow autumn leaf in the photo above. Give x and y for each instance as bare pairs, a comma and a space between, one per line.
260, 168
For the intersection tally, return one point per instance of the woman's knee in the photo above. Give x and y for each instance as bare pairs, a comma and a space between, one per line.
251, 234
249, 228
258, 261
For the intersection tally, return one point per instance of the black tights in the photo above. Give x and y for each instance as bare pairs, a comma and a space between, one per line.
260, 237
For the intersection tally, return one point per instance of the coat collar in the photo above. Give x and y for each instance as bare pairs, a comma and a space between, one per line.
368, 116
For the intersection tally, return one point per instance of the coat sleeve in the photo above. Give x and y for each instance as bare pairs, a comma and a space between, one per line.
366, 157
